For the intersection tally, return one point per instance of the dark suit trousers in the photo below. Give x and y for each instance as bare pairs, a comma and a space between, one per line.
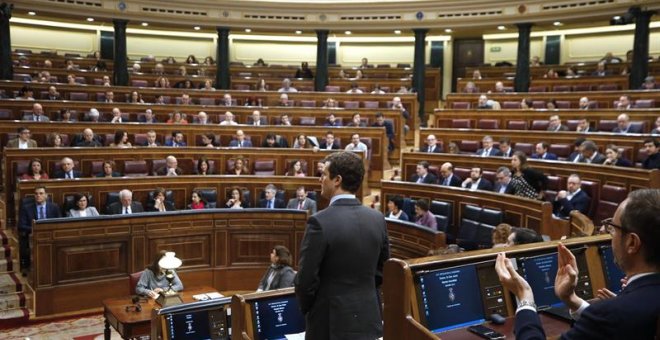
24, 248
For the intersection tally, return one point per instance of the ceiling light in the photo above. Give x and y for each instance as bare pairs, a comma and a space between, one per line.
348, 32
90, 19
197, 28
298, 32
32, 13
145, 24
501, 28
397, 31
557, 23
247, 30
448, 30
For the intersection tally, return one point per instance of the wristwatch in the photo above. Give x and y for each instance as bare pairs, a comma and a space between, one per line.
523, 303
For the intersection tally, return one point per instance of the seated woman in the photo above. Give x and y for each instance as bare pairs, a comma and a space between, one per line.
208, 140
526, 182
203, 167
121, 140
177, 118
160, 204
136, 98
279, 274
501, 235
54, 140
197, 201
615, 157
153, 280
240, 167
35, 171
301, 142
81, 209
394, 208
295, 169
235, 200
423, 216
109, 170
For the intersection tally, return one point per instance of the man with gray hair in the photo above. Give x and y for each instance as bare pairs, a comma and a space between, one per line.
170, 168
286, 86
503, 179
125, 206
202, 118
573, 198
589, 153
270, 201
37, 114
66, 169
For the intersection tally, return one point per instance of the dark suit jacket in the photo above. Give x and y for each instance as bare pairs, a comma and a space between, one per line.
508, 153
171, 143
631, 129
428, 179
60, 174
324, 146
341, 262
28, 212
279, 203
246, 143
283, 278
455, 181
599, 159
168, 206
493, 152
117, 209
162, 171
548, 155
560, 128
14, 143
484, 184
508, 190
438, 149
572, 156
633, 314
309, 205
580, 202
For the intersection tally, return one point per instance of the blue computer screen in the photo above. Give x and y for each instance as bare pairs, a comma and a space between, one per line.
540, 272
277, 316
450, 298
193, 325
613, 273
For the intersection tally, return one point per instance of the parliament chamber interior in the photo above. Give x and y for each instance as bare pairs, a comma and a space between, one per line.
475, 122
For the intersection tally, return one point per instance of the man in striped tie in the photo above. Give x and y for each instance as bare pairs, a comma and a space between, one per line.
302, 202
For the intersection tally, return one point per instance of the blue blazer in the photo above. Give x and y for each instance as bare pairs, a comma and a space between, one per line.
581, 202
548, 156
493, 152
28, 212
631, 315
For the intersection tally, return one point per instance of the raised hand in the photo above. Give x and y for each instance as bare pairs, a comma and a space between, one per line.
511, 280
567, 277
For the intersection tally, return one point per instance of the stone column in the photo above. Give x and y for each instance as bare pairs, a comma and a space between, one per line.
6, 64
321, 76
120, 68
419, 68
521, 83
222, 73
640, 63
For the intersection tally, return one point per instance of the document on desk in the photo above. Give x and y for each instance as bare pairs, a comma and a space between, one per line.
207, 296
299, 336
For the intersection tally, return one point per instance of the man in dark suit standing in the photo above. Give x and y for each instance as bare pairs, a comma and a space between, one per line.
341, 258
572, 199
329, 143
302, 202
542, 152
631, 314
271, 202
487, 148
431, 145
448, 177
66, 169
39, 209
125, 206
476, 181
423, 175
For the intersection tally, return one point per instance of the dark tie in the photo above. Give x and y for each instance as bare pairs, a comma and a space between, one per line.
446, 181
125, 210
300, 205
68, 175
42, 213
430, 149
270, 204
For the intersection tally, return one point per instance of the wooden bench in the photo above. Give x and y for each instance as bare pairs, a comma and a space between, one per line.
538, 71
550, 85
410, 240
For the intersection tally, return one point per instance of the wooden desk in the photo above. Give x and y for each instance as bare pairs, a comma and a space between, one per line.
132, 324
553, 327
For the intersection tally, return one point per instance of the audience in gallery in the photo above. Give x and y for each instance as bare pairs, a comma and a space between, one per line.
240, 167
395, 208
526, 181
153, 281
295, 169
35, 171
260, 62
191, 59
365, 64
500, 237
573, 198
204, 167
235, 200
109, 170
279, 274
423, 216
614, 156
158, 202
81, 207
476, 181
197, 201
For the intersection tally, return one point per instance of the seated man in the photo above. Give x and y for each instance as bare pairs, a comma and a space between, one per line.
483, 102
302, 202
329, 143
389, 130
109, 97
398, 105
116, 116
229, 119
422, 174
240, 141
270, 141
284, 100
556, 125
583, 104
505, 147
448, 177
584, 126
502, 185
255, 118
652, 161
23, 141
151, 139
331, 120
356, 121
487, 148
37, 114
202, 118
170, 168
356, 144
542, 152
39, 209
93, 116
148, 117
431, 145
624, 103
270, 201
53, 94
286, 86
574, 198
226, 100
177, 140
125, 206
631, 314
284, 120
623, 125
66, 169
589, 153
87, 139
476, 181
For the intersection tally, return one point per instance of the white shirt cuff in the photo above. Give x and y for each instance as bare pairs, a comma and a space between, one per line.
526, 307
576, 314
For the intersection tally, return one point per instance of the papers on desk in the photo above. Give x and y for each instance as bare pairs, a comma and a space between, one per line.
299, 336
207, 296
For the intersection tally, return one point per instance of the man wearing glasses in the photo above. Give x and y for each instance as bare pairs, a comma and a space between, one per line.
635, 230
23, 141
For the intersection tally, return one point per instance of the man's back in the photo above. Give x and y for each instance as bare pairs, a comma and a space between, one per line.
341, 262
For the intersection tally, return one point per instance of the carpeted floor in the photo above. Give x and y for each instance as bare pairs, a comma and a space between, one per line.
84, 328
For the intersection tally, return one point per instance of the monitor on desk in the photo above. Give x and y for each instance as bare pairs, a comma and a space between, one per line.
202, 320
277, 316
613, 273
540, 272
450, 298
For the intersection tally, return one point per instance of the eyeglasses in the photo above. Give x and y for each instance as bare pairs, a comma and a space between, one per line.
610, 226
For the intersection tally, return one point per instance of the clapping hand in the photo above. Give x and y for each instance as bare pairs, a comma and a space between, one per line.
511, 280
567, 278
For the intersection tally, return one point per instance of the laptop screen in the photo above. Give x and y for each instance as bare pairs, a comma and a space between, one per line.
276, 317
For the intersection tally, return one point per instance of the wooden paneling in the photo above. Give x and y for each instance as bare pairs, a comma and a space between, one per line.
408, 240
488, 84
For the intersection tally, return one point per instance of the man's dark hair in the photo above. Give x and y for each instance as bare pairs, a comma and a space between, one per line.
21, 129
284, 255
640, 216
424, 164
654, 141
589, 145
545, 145
347, 165
379, 114
176, 132
355, 114
525, 236
579, 141
397, 200
505, 140
422, 204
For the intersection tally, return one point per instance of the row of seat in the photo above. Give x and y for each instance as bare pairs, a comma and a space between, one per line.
560, 104
555, 88
603, 125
